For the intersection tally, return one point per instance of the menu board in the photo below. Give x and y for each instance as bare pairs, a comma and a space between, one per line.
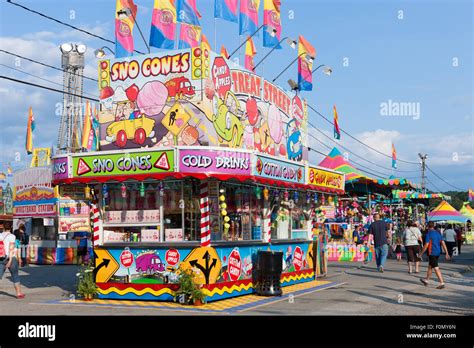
67, 224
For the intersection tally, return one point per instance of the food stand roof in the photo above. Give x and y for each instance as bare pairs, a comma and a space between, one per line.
467, 211
400, 194
335, 160
445, 212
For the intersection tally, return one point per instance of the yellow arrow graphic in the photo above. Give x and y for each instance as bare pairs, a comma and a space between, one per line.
105, 265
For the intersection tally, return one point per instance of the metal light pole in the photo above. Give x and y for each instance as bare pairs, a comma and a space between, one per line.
327, 70
294, 60
70, 127
100, 52
291, 42
269, 29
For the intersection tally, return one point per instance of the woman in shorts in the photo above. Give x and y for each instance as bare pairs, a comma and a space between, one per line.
411, 240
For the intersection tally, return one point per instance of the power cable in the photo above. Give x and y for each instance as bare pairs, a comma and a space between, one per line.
43, 64
436, 188
384, 175
66, 24
457, 188
366, 169
359, 141
41, 78
45, 87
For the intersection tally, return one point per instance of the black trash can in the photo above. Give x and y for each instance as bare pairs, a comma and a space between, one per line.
268, 273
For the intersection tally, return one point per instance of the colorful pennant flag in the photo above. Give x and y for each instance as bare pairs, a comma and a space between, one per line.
248, 23
125, 15
189, 35
95, 130
272, 21
226, 9
187, 12
471, 195
29, 132
337, 132
9, 170
224, 52
250, 52
163, 24
87, 132
305, 65
394, 157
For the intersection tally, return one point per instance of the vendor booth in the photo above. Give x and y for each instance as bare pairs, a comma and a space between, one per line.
44, 212
198, 170
468, 212
6, 205
446, 213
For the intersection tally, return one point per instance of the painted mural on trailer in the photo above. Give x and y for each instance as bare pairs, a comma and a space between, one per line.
160, 265
191, 98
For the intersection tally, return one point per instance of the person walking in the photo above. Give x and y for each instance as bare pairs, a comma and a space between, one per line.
434, 243
9, 258
398, 249
411, 240
459, 239
22, 240
450, 239
378, 229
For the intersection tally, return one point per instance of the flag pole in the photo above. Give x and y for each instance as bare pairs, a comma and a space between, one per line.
176, 35
215, 34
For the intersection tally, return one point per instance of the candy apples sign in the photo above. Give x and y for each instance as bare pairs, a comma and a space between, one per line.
172, 257
221, 76
234, 267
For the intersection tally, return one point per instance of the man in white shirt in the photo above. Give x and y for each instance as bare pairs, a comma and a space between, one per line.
10, 259
450, 239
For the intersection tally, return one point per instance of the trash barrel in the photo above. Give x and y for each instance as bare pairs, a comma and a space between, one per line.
268, 273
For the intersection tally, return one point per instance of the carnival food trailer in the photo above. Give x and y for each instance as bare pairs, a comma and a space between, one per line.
200, 180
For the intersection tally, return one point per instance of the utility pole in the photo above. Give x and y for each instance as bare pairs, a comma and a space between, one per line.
423, 170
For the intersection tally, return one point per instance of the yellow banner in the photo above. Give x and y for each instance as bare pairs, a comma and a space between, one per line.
322, 178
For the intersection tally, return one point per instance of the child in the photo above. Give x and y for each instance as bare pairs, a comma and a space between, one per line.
367, 242
398, 249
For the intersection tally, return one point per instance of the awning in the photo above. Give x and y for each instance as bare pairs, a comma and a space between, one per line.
201, 176
445, 212
400, 194
335, 160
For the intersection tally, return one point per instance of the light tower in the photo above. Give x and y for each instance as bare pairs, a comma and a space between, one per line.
70, 128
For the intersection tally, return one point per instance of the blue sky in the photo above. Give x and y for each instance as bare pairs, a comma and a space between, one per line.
403, 51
